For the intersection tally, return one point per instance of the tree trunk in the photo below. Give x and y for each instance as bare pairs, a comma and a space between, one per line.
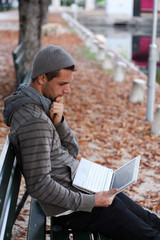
31, 13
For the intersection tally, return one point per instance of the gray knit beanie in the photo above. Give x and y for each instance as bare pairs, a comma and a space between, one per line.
50, 58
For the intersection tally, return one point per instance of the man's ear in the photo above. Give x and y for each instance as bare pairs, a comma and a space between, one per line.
42, 79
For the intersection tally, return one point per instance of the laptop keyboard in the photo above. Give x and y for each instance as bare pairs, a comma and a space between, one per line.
96, 178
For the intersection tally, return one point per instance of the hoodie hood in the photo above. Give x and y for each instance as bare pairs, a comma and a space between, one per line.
11, 104
24, 94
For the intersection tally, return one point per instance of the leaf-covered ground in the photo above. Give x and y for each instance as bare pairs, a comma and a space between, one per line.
111, 130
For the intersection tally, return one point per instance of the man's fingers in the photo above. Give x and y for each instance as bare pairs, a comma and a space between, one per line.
59, 99
112, 193
56, 110
56, 106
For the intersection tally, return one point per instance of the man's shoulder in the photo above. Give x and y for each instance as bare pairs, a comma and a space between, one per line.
33, 112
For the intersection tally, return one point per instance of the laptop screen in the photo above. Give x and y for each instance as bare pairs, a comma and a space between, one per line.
126, 174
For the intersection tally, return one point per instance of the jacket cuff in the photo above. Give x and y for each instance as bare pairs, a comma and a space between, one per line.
87, 203
62, 126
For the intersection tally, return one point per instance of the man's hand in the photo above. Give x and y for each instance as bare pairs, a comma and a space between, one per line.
104, 199
56, 110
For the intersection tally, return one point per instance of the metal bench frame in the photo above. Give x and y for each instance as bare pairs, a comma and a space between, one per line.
22, 75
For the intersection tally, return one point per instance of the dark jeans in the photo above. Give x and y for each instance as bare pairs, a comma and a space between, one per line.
124, 219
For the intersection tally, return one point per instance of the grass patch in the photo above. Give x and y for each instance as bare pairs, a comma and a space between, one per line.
101, 2
84, 52
88, 54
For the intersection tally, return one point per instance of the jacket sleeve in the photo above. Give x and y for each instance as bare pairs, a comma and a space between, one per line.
68, 138
35, 140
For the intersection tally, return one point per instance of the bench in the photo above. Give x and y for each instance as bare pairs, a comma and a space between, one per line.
5, 5
22, 74
10, 178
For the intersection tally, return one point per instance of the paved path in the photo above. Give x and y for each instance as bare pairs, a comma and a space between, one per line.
9, 20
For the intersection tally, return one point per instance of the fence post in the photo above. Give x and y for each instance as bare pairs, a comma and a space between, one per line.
137, 92
120, 72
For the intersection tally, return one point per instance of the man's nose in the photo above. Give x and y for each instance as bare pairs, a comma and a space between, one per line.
67, 89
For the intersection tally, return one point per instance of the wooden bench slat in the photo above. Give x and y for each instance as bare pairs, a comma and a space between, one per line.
13, 196
19, 59
5, 175
22, 74
9, 204
37, 222
27, 78
3, 154
18, 49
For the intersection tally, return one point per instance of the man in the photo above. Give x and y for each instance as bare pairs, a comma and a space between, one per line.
47, 149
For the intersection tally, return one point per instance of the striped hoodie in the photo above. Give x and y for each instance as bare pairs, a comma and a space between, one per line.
48, 157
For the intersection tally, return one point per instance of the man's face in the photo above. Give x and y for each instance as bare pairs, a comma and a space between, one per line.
58, 86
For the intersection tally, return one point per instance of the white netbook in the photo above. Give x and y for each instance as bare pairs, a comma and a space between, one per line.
92, 177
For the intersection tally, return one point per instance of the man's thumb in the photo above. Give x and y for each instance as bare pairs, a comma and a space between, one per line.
59, 99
